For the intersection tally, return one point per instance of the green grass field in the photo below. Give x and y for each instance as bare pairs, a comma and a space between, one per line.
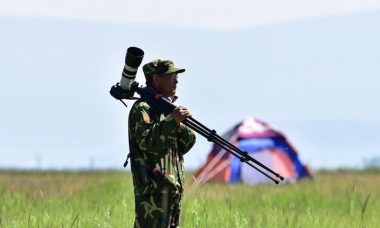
105, 199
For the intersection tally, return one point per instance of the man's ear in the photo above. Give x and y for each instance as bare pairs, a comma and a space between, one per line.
155, 78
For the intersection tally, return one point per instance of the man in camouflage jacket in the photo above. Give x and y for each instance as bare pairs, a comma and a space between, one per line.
157, 144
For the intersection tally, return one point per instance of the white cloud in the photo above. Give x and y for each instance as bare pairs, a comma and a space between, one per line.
211, 14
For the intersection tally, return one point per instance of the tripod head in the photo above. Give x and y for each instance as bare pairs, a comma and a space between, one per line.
119, 93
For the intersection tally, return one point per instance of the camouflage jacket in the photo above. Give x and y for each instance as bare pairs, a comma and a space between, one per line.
157, 145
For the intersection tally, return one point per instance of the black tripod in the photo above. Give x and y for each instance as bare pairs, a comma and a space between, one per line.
157, 102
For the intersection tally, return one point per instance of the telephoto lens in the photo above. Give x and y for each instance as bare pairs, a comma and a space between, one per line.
133, 60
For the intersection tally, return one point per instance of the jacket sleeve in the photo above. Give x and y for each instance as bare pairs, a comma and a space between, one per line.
151, 137
186, 138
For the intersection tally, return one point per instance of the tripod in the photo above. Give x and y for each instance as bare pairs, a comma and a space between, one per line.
157, 102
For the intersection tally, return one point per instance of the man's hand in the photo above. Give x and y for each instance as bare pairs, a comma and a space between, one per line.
180, 114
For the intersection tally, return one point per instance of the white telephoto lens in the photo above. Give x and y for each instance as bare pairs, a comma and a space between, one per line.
128, 77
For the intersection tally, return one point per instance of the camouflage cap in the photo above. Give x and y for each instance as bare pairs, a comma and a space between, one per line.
160, 67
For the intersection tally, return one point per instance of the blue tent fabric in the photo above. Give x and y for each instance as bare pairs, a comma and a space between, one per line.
235, 166
255, 144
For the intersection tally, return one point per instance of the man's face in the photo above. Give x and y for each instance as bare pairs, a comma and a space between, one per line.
167, 84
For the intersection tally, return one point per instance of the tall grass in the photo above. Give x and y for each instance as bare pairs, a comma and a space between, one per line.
105, 199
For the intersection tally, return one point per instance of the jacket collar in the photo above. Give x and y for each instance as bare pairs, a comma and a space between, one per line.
170, 99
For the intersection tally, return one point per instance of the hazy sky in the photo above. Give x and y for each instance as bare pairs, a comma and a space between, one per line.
197, 14
308, 67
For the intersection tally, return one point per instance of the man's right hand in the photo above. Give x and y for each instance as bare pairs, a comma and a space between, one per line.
180, 114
